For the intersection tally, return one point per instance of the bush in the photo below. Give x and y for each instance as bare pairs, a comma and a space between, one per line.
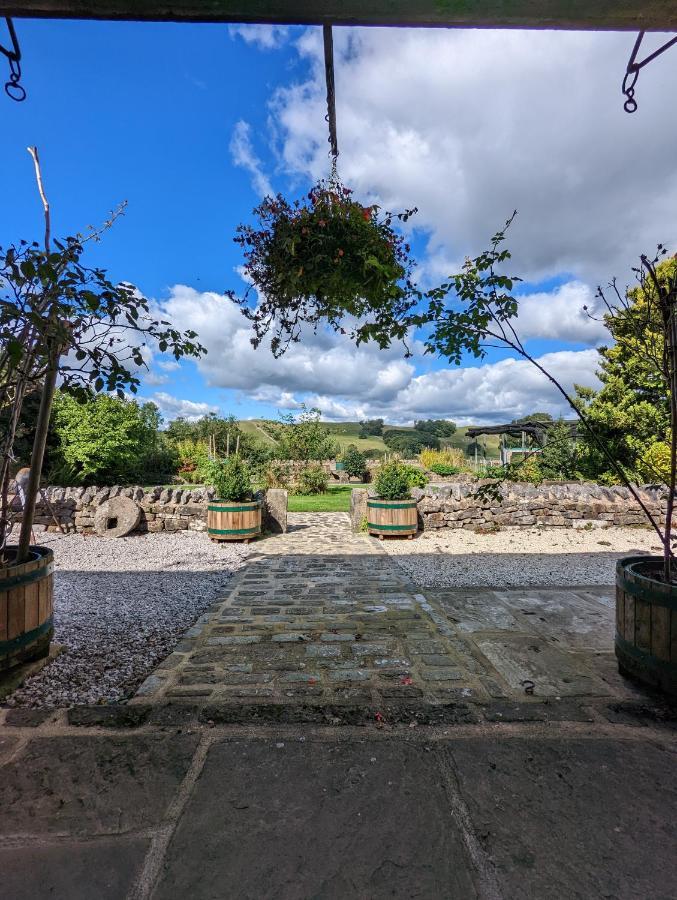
444, 469
451, 456
232, 479
409, 443
278, 475
313, 480
354, 462
393, 481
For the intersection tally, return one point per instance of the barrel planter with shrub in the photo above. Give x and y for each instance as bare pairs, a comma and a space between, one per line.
392, 513
234, 516
646, 623
26, 607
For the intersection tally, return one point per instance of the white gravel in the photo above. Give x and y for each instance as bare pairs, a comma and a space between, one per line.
519, 556
120, 606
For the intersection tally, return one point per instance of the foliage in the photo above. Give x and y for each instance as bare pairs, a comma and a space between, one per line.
278, 474
409, 443
449, 456
104, 440
371, 428
416, 477
312, 480
194, 460
392, 481
321, 258
231, 479
439, 427
354, 462
444, 469
557, 460
304, 437
533, 417
631, 411
59, 316
655, 463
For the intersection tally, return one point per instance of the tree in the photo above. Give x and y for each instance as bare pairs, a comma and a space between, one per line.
438, 427
631, 411
105, 440
533, 417
410, 443
60, 319
354, 462
371, 428
557, 460
304, 437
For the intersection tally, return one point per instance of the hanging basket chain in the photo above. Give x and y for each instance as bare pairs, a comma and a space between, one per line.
330, 118
13, 88
634, 68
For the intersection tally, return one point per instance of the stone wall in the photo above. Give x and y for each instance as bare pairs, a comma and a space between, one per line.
573, 505
162, 509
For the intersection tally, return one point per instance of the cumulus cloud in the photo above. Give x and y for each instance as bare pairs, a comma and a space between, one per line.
266, 37
348, 382
171, 407
469, 125
244, 157
561, 315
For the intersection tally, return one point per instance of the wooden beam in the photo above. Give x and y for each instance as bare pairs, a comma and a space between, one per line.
632, 15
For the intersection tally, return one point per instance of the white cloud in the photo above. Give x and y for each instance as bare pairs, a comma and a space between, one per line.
171, 407
348, 382
169, 365
266, 37
154, 379
560, 315
245, 158
469, 125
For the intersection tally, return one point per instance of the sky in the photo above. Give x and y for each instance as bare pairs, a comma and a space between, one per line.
193, 124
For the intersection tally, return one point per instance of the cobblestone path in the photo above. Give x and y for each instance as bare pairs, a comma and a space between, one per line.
321, 616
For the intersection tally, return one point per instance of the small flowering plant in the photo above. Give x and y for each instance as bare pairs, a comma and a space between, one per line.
322, 258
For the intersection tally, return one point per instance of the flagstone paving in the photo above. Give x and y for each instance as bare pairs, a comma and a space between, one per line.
321, 619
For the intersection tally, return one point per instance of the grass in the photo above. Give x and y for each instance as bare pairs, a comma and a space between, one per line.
336, 500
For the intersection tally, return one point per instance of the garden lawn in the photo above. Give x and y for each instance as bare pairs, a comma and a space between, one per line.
336, 500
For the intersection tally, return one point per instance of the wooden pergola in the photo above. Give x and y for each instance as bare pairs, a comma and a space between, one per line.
626, 15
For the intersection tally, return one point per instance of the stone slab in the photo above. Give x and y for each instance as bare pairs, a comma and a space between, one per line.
572, 619
562, 819
473, 611
521, 658
92, 785
303, 819
104, 870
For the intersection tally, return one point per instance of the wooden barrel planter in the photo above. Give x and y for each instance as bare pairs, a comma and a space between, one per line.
392, 518
26, 608
230, 521
646, 623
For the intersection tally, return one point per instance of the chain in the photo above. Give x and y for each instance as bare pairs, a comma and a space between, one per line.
13, 88
330, 118
634, 68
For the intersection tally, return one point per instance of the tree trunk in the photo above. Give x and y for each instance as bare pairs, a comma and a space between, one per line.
38, 454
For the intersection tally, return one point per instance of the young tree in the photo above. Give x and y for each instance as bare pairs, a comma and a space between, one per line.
61, 320
558, 457
354, 462
304, 437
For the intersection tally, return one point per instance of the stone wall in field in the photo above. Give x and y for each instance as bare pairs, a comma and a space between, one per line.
562, 504
162, 509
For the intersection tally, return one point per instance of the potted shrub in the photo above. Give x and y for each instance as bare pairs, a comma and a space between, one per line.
234, 515
59, 321
392, 513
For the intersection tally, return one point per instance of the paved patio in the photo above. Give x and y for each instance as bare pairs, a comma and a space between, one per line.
440, 744
322, 619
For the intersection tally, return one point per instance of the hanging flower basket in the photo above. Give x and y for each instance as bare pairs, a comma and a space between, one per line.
322, 258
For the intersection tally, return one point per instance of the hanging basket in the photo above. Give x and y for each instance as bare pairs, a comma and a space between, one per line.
323, 257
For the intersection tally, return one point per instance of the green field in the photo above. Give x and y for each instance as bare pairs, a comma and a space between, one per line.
346, 433
336, 500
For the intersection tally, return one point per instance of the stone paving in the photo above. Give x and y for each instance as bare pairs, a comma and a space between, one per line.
496, 794
322, 619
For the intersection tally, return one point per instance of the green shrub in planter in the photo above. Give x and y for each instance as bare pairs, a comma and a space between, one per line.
416, 477
231, 479
313, 480
392, 481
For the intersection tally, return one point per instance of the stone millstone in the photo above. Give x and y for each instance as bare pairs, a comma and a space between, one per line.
117, 517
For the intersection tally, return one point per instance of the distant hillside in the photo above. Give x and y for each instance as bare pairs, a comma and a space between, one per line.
345, 433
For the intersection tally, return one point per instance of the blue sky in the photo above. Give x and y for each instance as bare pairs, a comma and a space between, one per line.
190, 124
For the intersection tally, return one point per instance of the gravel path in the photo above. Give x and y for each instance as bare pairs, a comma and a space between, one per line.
120, 607
519, 556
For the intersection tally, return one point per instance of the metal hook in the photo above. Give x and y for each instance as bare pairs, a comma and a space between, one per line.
633, 69
13, 89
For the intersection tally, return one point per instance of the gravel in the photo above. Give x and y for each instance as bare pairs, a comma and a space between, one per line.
120, 606
519, 556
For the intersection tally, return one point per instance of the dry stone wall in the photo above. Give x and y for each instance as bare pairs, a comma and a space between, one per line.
162, 509
574, 505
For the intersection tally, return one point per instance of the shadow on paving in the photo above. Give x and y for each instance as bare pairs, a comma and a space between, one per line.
295, 816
